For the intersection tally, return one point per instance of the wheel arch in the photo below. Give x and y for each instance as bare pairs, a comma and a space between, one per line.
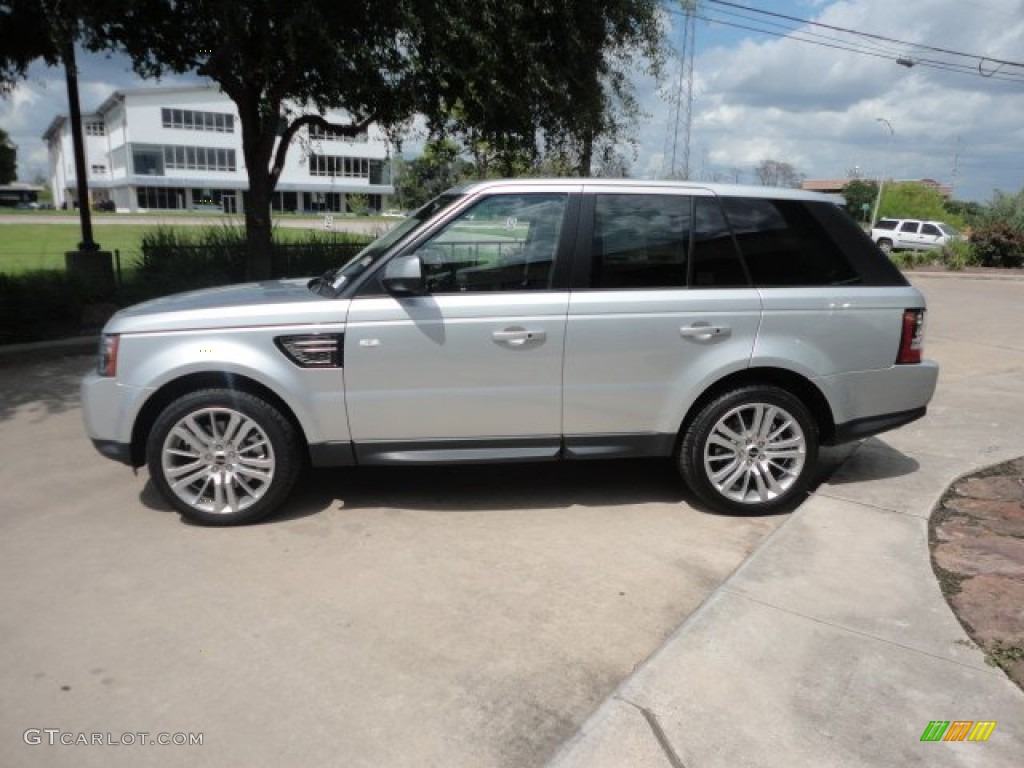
800, 386
192, 382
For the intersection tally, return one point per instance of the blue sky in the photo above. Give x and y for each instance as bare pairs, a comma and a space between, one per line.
760, 97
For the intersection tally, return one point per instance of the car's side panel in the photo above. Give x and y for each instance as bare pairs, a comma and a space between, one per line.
148, 361
839, 336
455, 366
636, 360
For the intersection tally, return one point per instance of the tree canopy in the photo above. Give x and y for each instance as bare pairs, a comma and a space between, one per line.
508, 75
775, 173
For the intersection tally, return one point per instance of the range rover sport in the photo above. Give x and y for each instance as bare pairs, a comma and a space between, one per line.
733, 329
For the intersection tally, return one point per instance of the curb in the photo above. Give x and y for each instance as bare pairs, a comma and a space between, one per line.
13, 354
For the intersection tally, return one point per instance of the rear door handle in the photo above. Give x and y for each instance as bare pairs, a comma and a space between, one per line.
517, 337
704, 332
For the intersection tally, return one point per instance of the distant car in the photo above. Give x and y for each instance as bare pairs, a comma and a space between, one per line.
394, 214
27, 206
106, 205
912, 235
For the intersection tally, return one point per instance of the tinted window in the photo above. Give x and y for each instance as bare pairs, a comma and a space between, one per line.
715, 261
886, 224
930, 229
908, 226
641, 241
784, 245
503, 243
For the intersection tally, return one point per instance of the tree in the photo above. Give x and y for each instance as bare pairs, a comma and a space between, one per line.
912, 200
858, 193
30, 30
438, 168
775, 173
495, 71
8, 159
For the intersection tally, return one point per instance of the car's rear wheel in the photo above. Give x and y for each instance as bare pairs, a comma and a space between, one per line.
751, 450
886, 245
222, 457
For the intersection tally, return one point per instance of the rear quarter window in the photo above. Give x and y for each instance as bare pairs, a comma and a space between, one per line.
784, 244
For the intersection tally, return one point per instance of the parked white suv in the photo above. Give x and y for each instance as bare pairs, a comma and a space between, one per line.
912, 234
734, 329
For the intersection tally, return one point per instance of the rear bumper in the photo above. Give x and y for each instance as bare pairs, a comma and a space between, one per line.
872, 425
121, 452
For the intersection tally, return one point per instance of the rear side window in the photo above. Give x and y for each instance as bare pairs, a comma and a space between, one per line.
641, 241
908, 226
784, 245
886, 224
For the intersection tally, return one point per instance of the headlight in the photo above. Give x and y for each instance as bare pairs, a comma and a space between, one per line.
106, 363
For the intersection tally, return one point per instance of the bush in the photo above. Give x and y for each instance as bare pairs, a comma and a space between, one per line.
959, 254
51, 304
998, 244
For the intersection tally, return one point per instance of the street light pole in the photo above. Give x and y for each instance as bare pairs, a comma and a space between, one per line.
881, 179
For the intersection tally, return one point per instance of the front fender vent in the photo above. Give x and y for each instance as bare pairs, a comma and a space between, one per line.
314, 350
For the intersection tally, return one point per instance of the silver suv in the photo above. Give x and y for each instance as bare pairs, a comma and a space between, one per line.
734, 329
912, 235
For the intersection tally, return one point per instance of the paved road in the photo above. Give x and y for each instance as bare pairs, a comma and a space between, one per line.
430, 617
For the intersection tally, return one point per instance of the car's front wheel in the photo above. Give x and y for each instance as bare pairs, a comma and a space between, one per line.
751, 450
222, 457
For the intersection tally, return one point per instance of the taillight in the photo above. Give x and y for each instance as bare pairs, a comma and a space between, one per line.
106, 365
912, 337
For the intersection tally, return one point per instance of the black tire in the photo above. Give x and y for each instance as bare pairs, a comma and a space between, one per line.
885, 245
737, 466
222, 457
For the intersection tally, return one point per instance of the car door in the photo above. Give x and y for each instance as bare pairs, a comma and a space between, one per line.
907, 236
472, 369
930, 237
663, 307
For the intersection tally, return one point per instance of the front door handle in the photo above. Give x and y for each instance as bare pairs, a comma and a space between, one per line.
705, 332
517, 337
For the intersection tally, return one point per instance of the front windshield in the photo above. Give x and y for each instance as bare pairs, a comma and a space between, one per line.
369, 255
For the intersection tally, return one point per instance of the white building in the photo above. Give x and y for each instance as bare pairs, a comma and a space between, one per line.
181, 148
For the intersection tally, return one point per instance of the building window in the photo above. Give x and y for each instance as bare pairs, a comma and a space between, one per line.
98, 170
147, 162
192, 120
95, 129
339, 165
319, 133
161, 198
199, 158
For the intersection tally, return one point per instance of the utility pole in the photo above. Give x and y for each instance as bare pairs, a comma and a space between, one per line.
683, 97
881, 176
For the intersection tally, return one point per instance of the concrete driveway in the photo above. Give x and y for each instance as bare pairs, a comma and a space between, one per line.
428, 616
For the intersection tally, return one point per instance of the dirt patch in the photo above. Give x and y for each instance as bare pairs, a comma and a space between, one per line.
977, 545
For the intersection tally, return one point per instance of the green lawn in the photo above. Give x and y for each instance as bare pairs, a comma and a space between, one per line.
26, 247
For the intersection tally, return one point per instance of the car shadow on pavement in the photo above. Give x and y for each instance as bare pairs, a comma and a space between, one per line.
873, 459
496, 487
41, 388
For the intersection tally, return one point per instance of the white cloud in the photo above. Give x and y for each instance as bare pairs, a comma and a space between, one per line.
816, 107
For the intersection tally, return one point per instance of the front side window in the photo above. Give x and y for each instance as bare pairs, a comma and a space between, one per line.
503, 243
930, 229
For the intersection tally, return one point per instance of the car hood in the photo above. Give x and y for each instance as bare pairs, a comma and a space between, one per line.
273, 302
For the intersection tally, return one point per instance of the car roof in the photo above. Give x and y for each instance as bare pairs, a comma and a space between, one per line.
625, 185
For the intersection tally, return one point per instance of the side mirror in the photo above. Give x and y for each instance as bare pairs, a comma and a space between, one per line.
404, 276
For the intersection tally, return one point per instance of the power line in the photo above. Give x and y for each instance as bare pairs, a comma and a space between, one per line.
863, 49
834, 28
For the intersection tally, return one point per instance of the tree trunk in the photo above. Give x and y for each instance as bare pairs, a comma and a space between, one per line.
258, 134
258, 227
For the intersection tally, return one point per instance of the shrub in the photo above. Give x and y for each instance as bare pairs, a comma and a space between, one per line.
959, 254
998, 244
